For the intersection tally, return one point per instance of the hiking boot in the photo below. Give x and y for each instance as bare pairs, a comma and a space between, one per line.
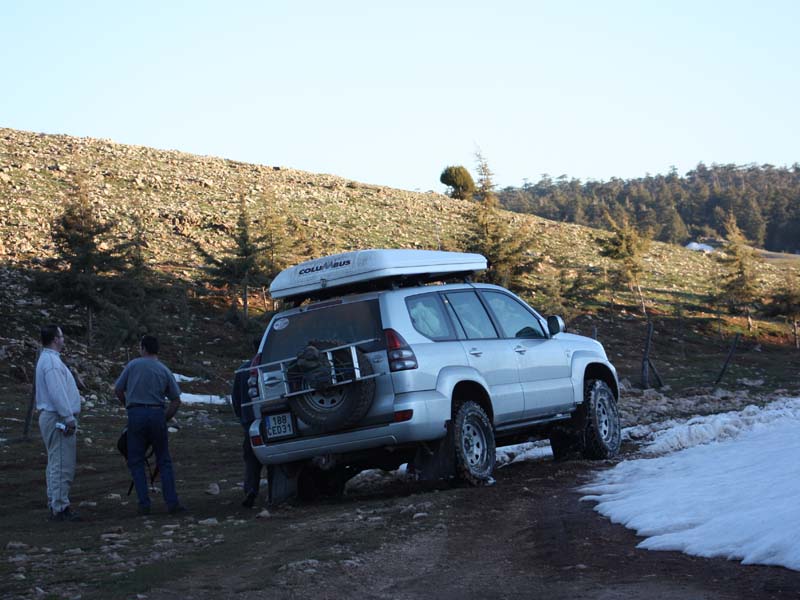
176, 508
249, 500
142, 510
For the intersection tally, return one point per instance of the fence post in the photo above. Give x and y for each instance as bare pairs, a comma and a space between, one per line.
727, 360
646, 358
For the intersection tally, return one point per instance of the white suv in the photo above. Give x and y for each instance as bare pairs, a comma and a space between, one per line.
374, 367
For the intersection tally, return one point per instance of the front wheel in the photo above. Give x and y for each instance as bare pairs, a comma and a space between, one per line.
474, 441
601, 430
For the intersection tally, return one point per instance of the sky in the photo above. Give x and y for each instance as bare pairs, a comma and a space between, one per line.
391, 93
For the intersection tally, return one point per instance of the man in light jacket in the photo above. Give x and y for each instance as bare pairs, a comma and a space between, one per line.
59, 403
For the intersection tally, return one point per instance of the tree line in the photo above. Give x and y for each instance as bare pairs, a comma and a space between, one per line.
509, 249
670, 208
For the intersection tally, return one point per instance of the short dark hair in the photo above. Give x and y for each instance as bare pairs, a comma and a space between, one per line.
49, 332
150, 344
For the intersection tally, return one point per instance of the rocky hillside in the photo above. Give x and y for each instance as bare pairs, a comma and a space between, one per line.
186, 200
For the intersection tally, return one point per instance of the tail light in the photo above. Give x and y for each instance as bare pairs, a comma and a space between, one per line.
252, 381
401, 357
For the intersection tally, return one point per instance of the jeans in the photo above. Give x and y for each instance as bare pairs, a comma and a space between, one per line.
252, 466
146, 427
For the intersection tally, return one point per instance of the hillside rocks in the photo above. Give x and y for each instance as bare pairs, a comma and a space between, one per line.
179, 195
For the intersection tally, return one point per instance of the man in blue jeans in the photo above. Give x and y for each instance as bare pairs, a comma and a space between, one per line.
143, 388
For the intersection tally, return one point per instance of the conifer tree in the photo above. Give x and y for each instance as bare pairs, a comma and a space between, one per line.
787, 303
739, 289
459, 179
248, 262
78, 236
626, 247
488, 233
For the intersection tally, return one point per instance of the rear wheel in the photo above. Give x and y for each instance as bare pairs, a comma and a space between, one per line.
474, 444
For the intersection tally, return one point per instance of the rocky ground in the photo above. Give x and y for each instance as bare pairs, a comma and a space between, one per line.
388, 537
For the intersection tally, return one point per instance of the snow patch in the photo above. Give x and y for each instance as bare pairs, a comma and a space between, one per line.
184, 378
731, 491
697, 247
204, 399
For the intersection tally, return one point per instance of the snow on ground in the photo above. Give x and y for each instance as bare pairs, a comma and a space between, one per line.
729, 488
698, 247
184, 378
203, 399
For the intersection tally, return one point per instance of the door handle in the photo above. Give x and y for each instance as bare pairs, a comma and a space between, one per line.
475, 352
520, 349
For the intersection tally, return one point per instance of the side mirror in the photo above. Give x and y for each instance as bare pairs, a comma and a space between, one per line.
555, 324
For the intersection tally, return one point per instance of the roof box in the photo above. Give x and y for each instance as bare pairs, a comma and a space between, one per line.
364, 270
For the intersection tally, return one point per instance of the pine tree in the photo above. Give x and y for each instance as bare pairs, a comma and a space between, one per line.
459, 179
78, 235
250, 262
787, 303
626, 247
489, 234
739, 284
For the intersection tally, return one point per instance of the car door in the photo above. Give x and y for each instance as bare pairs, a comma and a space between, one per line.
544, 365
489, 354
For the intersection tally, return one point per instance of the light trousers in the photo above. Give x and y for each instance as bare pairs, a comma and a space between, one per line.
61, 451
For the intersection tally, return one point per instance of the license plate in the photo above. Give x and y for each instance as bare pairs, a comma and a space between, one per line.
279, 426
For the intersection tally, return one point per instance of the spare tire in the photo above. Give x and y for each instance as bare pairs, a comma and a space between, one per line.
330, 407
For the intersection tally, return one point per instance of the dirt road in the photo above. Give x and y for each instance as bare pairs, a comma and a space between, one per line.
528, 536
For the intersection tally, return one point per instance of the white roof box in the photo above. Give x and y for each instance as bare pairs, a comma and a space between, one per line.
361, 269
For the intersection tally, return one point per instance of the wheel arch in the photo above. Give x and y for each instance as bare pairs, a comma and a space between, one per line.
597, 370
471, 390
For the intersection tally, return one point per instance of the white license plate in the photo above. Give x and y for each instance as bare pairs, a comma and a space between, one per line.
279, 426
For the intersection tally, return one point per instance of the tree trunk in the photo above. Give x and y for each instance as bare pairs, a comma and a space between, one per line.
749, 321
245, 294
90, 325
796, 337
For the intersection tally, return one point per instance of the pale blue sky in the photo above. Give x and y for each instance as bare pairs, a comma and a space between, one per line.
392, 92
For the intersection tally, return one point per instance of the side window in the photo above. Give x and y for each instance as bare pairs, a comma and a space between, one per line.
514, 318
428, 316
472, 316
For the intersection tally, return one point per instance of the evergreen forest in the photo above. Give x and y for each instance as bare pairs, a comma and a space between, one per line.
765, 200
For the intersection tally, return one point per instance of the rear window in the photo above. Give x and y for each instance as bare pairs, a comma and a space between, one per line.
345, 323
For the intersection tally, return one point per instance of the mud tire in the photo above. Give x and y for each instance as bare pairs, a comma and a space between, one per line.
598, 418
473, 437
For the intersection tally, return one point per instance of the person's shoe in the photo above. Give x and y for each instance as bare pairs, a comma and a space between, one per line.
66, 515
249, 500
176, 509
143, 511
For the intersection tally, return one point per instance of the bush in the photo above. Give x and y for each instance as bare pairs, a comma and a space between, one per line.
460, 180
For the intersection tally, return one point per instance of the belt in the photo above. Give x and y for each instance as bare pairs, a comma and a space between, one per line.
130, 406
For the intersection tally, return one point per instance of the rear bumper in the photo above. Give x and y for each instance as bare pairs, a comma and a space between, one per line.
429, 421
